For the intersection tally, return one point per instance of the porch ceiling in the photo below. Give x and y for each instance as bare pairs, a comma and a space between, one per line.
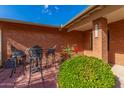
112, 12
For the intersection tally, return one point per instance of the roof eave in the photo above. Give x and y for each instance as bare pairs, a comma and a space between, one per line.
27, 23
79, 15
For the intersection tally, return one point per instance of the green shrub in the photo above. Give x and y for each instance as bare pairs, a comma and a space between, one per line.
85, 72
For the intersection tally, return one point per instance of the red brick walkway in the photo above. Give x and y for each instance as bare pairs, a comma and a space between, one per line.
21, 81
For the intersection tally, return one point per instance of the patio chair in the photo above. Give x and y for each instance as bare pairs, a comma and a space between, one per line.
50, 53
18, 57
35, 57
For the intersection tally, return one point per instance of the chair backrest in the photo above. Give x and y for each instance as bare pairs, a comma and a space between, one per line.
36, 54
51, 50
35, 51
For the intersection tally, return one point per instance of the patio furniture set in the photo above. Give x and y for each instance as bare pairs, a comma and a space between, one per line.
32, 59
35, 55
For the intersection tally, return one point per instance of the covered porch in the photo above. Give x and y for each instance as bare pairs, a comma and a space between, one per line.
102, 32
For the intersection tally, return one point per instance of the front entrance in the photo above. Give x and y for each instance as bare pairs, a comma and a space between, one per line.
116, 43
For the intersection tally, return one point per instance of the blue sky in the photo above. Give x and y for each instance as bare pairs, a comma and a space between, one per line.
42, 14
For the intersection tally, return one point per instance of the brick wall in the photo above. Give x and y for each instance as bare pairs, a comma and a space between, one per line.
25, 36
99, 43
86, 40
86, 43
116, 47
116, 43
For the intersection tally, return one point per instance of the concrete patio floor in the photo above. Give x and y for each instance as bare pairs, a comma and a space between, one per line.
119, 73
21, 81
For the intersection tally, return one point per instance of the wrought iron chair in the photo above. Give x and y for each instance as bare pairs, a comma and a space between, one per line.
50, 52
35, 56
18, 57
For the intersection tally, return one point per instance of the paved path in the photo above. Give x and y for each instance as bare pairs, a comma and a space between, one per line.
119, 73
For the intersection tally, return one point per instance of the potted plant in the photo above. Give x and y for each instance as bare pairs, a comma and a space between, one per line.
66, 53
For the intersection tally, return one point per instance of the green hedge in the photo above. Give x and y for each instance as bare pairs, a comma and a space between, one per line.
85, 72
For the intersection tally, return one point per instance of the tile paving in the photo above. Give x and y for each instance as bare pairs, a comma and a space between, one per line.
21, 81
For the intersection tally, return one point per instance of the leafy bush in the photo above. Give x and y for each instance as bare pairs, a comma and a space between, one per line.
85, 72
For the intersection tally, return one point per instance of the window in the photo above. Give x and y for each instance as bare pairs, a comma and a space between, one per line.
91, 40
108, 41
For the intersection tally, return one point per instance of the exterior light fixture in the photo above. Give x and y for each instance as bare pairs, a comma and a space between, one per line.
61, 26
96, 30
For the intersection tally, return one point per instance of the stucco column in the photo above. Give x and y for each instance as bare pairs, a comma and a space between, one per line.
100, 39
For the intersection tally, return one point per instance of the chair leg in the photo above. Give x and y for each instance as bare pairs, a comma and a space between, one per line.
46, 61
12, 72
53, 58
24, 68
15, 70
41, 71
29, 77
24, 65
30, 73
